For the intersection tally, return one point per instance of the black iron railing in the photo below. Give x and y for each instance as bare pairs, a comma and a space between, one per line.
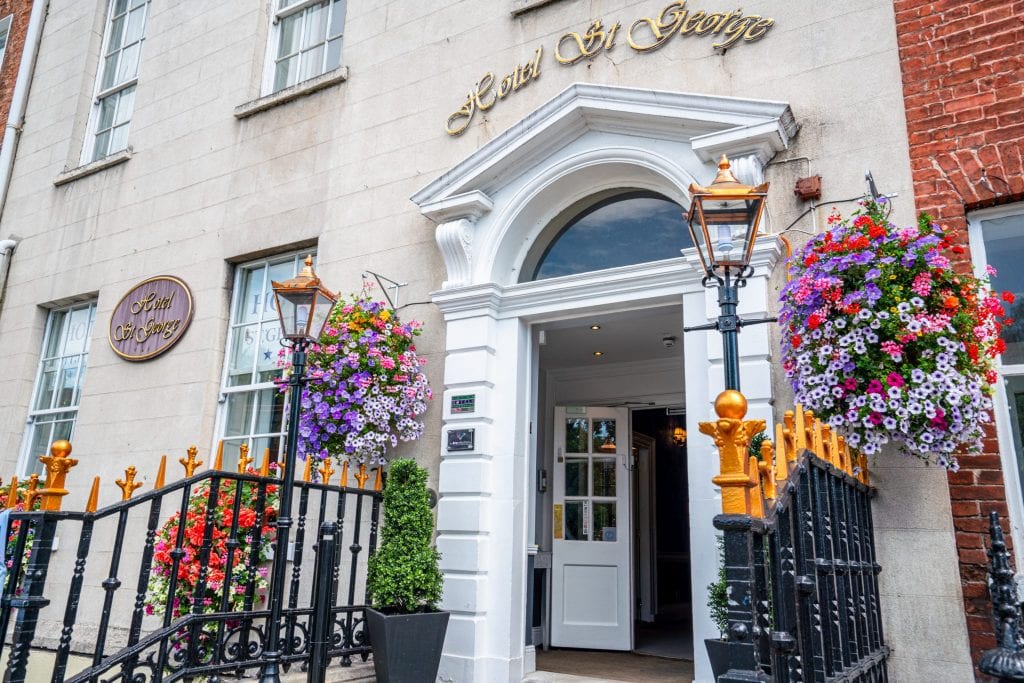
1006, 661
801, 570
83, 591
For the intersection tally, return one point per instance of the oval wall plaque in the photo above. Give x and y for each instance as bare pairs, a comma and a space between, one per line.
150, 318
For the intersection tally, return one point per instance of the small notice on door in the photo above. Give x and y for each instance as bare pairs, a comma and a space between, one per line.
558, 522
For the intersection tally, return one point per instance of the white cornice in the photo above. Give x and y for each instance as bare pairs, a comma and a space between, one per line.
470, 205
730, 121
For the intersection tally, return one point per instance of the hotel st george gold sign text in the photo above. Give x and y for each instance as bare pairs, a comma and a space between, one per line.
150, 318
643, 35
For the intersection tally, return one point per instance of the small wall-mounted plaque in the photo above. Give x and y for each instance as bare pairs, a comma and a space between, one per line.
465, 403
151, 318
461, 439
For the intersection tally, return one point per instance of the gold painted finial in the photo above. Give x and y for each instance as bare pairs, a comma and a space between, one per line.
128, 484
307, 471
732, 435
12, 493
218, 460
243, 458
57, 465
344, 473
265, 465
378, 481
32, 492
326, 471
94, 496
362, 476
191, 464
161, 472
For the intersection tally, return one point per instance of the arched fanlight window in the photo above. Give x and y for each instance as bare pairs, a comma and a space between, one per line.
622, 229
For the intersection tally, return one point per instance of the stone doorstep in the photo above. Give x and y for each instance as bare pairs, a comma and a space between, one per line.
359, 671
552, 677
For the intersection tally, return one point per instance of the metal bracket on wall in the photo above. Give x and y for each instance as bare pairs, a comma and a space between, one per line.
396, 287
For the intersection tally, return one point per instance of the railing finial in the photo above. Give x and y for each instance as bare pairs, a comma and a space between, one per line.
732, 435
244, 459
362, 476
161, 472
94, 496
191, 464
32, 492
128, 484
57, 464
326, 470
218, 460
344, 474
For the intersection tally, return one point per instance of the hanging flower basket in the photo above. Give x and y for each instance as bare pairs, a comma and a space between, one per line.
887, 341
366, 385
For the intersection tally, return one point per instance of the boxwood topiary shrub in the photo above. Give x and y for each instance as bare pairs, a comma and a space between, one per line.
403, 576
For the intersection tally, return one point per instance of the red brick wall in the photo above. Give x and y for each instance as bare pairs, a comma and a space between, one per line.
12, 56
963, 88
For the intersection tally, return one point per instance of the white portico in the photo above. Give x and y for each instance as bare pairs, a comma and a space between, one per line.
491, 210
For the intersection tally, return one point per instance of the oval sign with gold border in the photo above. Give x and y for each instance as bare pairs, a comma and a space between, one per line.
151, 318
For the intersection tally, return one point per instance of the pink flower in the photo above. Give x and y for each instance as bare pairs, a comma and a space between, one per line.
895, 379
893, 349
875, 387
922, 285
850, 384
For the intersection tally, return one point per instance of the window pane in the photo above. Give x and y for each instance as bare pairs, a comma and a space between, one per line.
109, 71
55, 341
108, 106
116, 34
315, 29
68, 382
575, 476
47, 385
574, 530
270, 416
333, 55
604, 477
576, 435
604, 522
620, 231
239, 418
76, 333
288, 42
1004, 251
119, 139
337, 19
250, 301
120, 6
136, 25
243, 347
269, 352
260, 446
286, 72
312, 63
604, 436
125, 103
129, 66
278, 272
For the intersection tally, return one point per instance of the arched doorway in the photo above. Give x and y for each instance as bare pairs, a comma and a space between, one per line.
492, 211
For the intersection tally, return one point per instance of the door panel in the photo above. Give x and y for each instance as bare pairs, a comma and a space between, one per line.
591, 602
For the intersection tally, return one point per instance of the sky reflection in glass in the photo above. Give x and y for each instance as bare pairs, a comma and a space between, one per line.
620, 231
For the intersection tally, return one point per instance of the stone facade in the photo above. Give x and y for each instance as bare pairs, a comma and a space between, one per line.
963, 84
217, 173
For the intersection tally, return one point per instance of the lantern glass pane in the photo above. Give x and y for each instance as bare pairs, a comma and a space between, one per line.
321, 311
294, 307
729, 225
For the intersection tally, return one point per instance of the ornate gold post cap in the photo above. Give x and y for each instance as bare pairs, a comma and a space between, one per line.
731, 405
60, 448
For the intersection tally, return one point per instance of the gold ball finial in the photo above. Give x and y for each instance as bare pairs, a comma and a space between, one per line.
60, 449
731, 405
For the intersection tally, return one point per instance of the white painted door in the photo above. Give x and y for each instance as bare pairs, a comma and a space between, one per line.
591, 605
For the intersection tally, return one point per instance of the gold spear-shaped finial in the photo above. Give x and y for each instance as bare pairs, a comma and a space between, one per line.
94, 496
378, 481
128, 484
31, 493
191, 464
307, 470
12, 493
161, 472
57, 466
344, 473
218, 460
265, 465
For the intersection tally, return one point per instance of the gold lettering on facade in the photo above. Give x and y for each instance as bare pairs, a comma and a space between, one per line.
484, 94
643, 35
593, 41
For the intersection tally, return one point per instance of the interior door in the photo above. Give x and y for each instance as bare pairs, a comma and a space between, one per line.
644, 524
591, 605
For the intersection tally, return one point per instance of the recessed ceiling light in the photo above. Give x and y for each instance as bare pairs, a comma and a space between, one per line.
595, 327
598, 353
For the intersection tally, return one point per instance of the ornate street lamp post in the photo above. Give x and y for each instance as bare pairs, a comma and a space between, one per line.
303, 306
723, 222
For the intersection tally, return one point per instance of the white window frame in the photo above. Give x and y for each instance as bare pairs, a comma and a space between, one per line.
116, 89
27, 463
5, 31
256, 387
1001, 407
273, 39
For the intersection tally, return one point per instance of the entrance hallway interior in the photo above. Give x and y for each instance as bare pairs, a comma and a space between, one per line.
612, 522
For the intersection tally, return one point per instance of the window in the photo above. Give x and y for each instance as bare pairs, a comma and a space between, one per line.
997, 240
118, 75
307, 41
5, 32
624, 229
253, 408
58, 388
